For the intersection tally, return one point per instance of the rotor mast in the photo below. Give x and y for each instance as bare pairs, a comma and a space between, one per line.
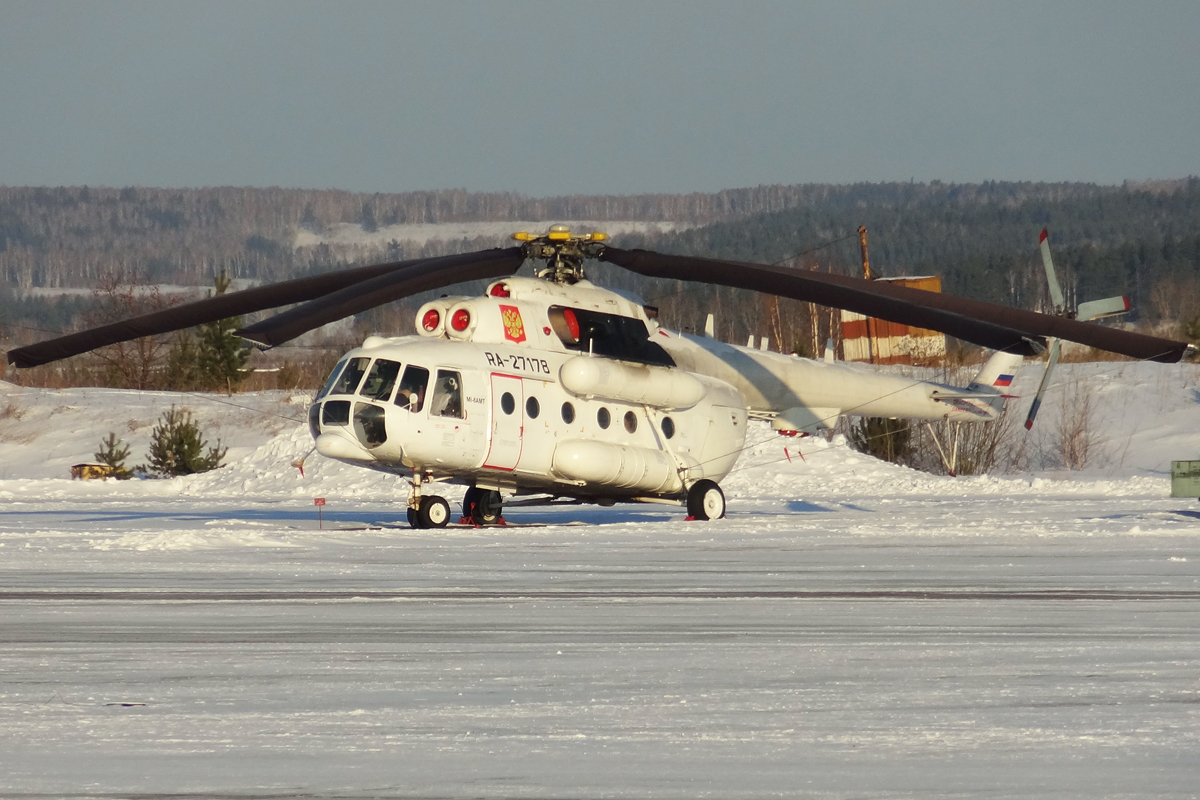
563, 253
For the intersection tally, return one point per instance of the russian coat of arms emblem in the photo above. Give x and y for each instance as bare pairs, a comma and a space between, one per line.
514, 328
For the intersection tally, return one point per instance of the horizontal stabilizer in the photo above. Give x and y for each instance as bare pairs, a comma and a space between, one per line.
954, 394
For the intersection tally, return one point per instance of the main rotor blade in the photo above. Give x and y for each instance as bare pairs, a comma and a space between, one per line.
988, 324
198, 312
214, 308
419, 276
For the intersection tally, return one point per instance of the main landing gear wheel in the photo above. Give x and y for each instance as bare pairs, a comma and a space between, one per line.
705, 500
482, 506
434, 512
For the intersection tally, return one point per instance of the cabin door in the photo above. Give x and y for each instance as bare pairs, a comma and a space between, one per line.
508, 422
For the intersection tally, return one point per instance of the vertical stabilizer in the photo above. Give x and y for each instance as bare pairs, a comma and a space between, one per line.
999, 371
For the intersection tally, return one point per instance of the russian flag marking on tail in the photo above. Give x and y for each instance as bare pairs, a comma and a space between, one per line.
1003, 380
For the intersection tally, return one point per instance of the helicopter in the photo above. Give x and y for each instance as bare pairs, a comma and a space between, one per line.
550, 389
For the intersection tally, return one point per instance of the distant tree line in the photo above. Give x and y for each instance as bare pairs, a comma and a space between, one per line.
68, 236
1140, 239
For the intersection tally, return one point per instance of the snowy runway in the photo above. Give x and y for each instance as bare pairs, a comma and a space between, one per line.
852, 629
1045, 647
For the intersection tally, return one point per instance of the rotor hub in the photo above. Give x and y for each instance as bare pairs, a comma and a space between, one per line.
562, 252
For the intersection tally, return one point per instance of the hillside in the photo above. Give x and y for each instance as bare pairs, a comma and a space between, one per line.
1142, 240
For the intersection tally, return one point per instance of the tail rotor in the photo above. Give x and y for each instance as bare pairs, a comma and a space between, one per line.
1084, 312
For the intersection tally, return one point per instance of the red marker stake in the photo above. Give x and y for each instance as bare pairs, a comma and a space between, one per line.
319, 502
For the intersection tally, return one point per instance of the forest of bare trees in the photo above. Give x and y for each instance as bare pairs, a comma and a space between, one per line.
70, 236
1140, 239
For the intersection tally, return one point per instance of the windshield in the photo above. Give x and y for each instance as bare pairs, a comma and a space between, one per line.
380, 380
337, 370
353, 373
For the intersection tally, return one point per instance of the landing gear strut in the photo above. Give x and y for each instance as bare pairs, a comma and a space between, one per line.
705, 500
428, 511
482, 506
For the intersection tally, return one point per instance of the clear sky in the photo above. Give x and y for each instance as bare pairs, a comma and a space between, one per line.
562, 98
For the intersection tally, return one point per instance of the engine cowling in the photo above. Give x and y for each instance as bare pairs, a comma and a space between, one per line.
618, 466
641, 384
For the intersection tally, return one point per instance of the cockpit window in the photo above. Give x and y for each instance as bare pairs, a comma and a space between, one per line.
333, 376
351, 376
609, 335
411, 394
447, 395
380, 380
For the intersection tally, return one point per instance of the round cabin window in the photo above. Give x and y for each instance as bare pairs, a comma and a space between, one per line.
603, 418
507, 403
630, 421
568, 413
532, 407
668, 427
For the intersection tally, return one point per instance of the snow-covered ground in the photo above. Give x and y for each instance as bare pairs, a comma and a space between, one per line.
851, 629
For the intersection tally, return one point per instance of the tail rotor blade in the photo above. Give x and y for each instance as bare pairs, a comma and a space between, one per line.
1056, 293
1051, 361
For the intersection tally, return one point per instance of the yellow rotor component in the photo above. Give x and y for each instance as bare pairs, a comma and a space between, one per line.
522, 236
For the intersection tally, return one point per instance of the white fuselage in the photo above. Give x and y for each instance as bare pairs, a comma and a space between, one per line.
541, 387
519, 429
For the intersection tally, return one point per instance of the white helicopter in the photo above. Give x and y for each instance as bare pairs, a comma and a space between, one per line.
552, 389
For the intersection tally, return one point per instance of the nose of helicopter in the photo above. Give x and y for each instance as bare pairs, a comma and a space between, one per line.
338, 445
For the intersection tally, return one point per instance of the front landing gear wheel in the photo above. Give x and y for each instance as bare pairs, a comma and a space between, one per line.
412, 517
433, 513
705, 500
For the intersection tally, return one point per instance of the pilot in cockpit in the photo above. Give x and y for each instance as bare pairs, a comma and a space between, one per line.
447, 395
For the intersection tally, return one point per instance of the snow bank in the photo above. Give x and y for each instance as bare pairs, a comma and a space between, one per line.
1144, 416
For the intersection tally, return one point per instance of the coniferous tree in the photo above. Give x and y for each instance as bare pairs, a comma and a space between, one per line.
177, 446
309, 221
113, 453
212, 358
221, 355
366, 218
183, 369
